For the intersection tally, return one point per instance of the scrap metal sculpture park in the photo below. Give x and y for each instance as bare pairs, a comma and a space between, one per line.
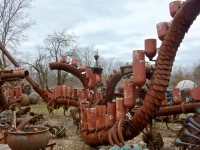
102, 121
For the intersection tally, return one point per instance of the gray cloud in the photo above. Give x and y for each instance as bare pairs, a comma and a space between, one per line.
116, 28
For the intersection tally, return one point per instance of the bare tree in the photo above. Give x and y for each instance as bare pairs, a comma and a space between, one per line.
87, 55
14, 24
59, 44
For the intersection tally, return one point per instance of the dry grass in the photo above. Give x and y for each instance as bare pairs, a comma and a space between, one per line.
71, 141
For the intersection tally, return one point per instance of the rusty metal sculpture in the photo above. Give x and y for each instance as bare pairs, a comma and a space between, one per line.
118, 125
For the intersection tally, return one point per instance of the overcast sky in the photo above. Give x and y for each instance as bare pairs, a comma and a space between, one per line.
114, 27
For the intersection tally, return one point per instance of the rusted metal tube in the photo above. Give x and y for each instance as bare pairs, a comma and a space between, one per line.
100, 113
173, 7
121, 110
176, 96
67, 102
37, 89
15, 73
6, 71
111, 114
150, 48
91, 120
71, 69
129, 94
83, 116
97, 138
9, 56
177, 109
139, 69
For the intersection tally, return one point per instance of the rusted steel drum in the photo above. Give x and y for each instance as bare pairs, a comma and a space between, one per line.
75, 94
70, 92
74, 61
18, 90
84, 93
162, 30
120, 109
91, 83
173, 7
49, 95
63, 59
91, 120
89, 74
187, 93
100, 112
57, 91
53, 96
82, 67
196, 93
64, 91
111, 114
98, 97
129, 94
83, 105
11, 93
61, 91
139, 70
150, 48
177, 96
29, 139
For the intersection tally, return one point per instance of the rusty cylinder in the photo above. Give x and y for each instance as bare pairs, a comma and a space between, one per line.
49, 95
150, 48
11, 92
64, 94
82, 67
84, 125
92, 82
57, 91
139, 69
129, 94
53, 96
63, 59
91, 120
74, 61
173, 7
111, 114
75, 94
162, 29
196, 93
84, 93
120, 109
61, 91
70, 92
177, 96
89, 74
100, 112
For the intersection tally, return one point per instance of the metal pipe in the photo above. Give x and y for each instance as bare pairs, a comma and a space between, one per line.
15, 73
68, 68
9, 56
38, 89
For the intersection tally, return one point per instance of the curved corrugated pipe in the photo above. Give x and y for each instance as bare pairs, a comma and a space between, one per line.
70, 69
163, 66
